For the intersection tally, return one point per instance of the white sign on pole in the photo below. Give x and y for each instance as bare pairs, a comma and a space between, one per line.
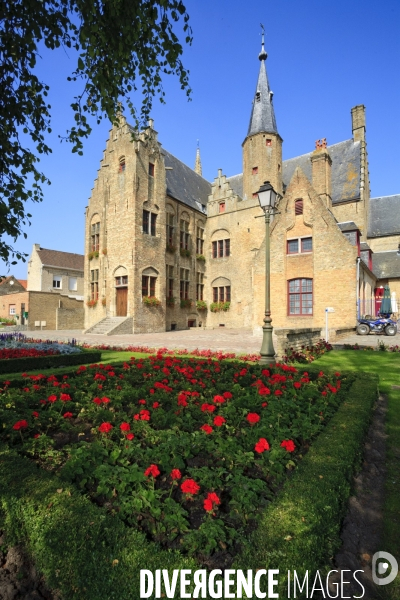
329, 309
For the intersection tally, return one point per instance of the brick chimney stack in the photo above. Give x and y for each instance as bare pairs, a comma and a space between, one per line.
358, 122
321, 164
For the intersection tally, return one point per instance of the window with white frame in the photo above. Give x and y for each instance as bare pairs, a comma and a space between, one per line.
12, 309
299, 245
73, 284
57, 282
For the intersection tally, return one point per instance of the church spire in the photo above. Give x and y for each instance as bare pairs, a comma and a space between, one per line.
197, 166
262, 118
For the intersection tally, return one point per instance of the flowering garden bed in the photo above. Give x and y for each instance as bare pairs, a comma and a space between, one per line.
170, 444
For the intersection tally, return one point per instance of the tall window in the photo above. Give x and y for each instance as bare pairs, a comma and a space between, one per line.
148, 285
199, 240
199, 286
122, 164
300, 297
298, 207
185, 236
184, 284
170, 229
94, 284
222, 293
170, 281
151, 169
57, 282
73, 284
12, 309
95, 236
221, 248
222, 207
149, 222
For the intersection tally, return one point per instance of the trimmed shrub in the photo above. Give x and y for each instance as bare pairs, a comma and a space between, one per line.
14, 365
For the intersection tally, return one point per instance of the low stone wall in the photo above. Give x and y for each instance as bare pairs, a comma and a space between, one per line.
339, 334
294, 338
70, 318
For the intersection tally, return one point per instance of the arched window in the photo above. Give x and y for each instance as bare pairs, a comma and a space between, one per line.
221, 290
300, 297
95, 234
149, 281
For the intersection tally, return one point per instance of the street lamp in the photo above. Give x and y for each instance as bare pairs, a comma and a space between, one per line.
267, 198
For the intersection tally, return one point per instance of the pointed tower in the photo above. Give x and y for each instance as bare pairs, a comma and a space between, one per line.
197, 165
262, 148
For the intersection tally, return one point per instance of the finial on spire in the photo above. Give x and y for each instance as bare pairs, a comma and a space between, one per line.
197, 166
263, 55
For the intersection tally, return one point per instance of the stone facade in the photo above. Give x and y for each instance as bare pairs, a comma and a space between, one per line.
167, 238
55, 271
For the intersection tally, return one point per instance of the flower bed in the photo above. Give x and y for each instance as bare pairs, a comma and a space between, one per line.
307, 354
7, 353
174, 438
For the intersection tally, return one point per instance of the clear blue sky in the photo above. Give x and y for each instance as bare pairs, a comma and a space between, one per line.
323, 58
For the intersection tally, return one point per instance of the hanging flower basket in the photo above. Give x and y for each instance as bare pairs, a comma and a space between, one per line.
186, 303
219, 306
170, 302
104, 251
151, 301
201, 305
104, 301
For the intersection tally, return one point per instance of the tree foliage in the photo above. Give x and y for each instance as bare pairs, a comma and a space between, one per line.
122, 46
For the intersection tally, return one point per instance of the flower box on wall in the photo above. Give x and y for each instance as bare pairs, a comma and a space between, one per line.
104, 301
219, 306
91, 303
201, 305
186, 303
201, 257
170, 302
170, 248
151, 301
185, 253
104, 251
94, 254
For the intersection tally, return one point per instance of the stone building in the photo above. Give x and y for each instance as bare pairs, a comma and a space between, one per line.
55, 271
165, 249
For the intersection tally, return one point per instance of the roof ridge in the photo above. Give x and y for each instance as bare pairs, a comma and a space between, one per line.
329, 146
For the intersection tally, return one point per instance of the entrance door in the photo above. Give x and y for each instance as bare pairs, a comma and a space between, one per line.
122, 301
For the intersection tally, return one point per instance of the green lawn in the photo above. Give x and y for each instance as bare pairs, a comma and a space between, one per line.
387, 366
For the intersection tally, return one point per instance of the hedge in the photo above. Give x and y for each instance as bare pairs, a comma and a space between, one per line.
20, 365
301, 529
89, 554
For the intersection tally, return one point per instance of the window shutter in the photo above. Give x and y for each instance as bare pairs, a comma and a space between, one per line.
298, 207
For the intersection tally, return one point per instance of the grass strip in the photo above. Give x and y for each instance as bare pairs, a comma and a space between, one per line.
301, 529
20, 365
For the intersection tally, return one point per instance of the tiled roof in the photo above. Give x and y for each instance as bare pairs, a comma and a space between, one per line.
386, 264
64, 260
184, 184
262, 117
348, 226
346, 171
384, 216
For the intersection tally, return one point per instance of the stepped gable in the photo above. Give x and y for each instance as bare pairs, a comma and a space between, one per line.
65, 260
386, 264
384, 216
346, 171
184, 184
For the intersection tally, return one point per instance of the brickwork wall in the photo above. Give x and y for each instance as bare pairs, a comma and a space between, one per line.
43, 307
267, 159
48, 274
70, 318
16, 300
331, 265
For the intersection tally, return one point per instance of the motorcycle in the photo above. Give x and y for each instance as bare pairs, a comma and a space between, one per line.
382, 324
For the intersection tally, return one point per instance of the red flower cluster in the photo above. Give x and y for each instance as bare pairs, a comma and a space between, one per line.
152, 470
68, 415
20, 425
65, 397
125, 427
207, 407
261, 445
143, 415
253, 418
207, 429
189, 486
288, 445
99, 401
218, 421
175, 474
210, 502
105, 427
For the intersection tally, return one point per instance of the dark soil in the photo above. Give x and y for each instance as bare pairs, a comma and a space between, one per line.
19, 579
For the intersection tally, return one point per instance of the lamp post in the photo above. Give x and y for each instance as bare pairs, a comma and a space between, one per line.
267, 198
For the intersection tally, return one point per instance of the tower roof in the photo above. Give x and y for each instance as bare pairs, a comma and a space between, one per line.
197, 166
262, 114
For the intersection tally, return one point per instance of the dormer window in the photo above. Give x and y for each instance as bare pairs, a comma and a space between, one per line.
258, 96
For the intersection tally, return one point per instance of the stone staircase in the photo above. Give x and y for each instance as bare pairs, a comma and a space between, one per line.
112, 326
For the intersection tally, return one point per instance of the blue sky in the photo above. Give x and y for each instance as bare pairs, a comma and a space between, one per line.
323, 58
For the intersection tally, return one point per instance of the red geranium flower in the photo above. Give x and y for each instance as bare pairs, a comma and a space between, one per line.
227, 395
207, 407
36, 436
176, 474
105, 400
68, 415
124, 427
20, 425
52, 398
189, 486
207, 429
152, 470
156, 404
261, 445
130, 436
65, 397
288, 445
219, 399
278, 392
264, 404
213, 497
208, 505
253, 418
136, 417
297, 385
264, 391
142, 402
105, 427
218, 421
35, 414
144, 415
97, 401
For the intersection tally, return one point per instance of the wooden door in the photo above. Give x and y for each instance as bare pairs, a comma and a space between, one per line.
122, 301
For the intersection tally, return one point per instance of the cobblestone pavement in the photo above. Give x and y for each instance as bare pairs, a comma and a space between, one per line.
229, 340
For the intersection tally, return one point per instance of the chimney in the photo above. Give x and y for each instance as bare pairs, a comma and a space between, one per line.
321, 164
358, 122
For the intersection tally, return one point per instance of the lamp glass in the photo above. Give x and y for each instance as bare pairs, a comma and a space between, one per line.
266, 196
